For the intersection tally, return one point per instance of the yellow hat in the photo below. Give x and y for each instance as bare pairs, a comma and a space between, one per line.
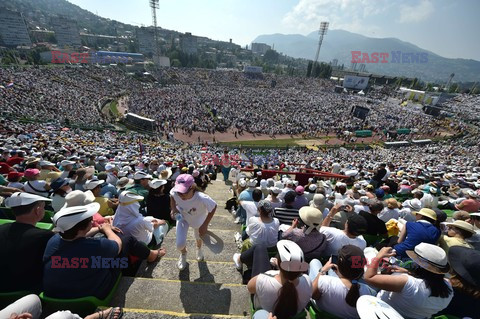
427, 212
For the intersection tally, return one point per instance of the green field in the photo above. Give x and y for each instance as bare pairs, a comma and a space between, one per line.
265, 143
283, 143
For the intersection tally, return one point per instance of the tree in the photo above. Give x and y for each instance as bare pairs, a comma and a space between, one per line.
271, 57
309, 68
453, 88
429, 87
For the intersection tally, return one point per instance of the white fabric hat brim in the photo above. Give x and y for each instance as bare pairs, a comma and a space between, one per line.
67, 218
156, 183
23, 199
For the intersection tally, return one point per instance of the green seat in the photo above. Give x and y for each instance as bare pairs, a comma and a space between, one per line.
319, 314
48, 217
446, 317
449, 212
6, 298
40, 225
82, 306
301, 315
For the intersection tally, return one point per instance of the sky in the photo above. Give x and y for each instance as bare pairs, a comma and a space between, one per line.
445, 27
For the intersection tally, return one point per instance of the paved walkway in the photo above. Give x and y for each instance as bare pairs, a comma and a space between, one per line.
209, 289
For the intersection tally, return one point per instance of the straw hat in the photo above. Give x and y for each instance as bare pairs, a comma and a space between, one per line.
427, 212
462, 225
430, 257
312, 217
392, 203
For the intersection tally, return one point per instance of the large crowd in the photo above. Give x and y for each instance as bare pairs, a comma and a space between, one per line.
197, 100
400, 224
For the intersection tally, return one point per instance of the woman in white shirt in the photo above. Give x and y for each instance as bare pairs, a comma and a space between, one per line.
61, 188
338, 293
262, 229
273, 197
132, 223
286, 292
391, 211
419, 293
191, 208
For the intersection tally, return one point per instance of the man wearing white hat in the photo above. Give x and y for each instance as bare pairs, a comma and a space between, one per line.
48, 171
67, 168
140, 186
23, 244
107, 206
70, 250
111, 177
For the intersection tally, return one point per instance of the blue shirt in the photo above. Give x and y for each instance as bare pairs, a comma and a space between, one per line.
80, 268
108, 188
417, 232
246, 195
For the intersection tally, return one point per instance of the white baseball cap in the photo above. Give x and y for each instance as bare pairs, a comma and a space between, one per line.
22, 199
66, 162
156, 183
91, 184
141, 175
68, 217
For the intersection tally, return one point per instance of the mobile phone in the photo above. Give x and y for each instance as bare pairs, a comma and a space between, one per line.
334, 259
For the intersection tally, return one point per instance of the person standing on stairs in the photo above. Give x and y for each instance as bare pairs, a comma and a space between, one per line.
191, 208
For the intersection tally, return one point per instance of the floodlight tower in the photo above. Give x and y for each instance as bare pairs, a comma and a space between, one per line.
155, 4
322, 31
449, 81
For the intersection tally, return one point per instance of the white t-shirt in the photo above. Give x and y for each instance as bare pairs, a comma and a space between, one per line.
57, 202
195, 209
259, 232
141, 228
276, 204
251, 208
359, 208
334, 292
267, 288
15, 185
336, 239
386, 214
414, 301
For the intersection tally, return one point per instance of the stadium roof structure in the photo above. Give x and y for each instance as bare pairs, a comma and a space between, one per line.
140, 117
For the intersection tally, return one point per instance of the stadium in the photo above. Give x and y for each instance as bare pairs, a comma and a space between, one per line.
133, 189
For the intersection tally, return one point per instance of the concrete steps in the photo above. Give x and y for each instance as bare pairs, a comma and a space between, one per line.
208, 289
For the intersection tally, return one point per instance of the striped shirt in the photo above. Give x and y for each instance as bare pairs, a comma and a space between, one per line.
285, 215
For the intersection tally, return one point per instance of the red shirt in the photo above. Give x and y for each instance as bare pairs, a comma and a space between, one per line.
471, 205
4, 168
15, 160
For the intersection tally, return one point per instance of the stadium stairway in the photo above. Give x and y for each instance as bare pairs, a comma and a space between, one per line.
209, 289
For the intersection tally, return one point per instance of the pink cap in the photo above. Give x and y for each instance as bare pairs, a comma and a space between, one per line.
31, 172
195, 173
183, 183
299, 190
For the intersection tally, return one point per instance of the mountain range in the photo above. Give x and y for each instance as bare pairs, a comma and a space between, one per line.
339, 44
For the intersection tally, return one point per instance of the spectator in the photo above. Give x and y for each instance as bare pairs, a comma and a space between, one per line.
285, 292
419, 293
23, 244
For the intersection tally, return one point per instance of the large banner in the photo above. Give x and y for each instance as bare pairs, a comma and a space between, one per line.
355, 82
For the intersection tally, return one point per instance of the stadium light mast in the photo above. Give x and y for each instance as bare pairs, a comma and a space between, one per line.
155, 4
322, 31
